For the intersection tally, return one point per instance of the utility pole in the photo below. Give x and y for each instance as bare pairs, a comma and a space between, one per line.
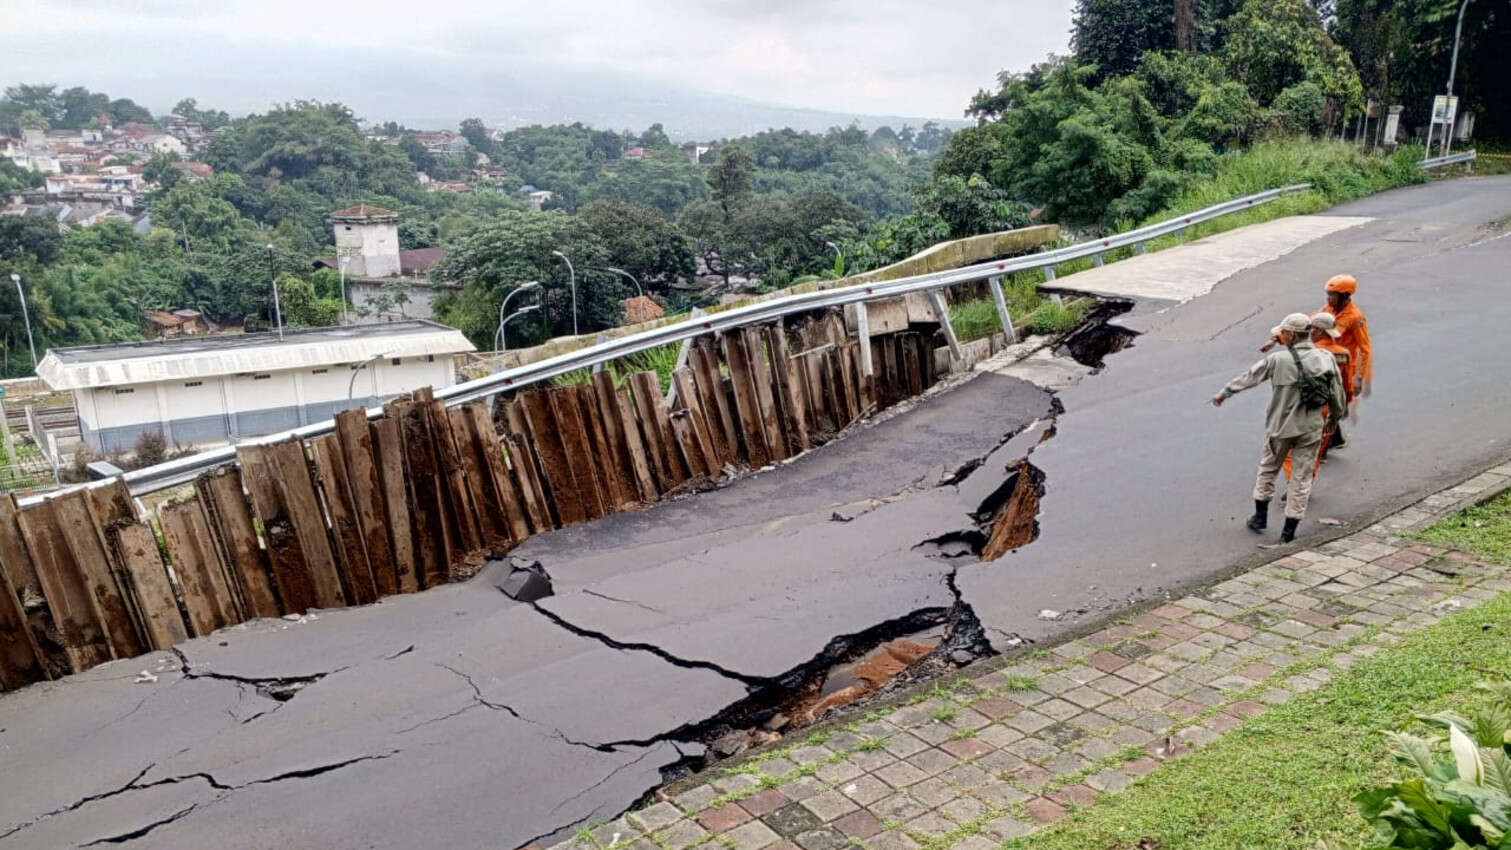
277, 309
25, 320
1453, 67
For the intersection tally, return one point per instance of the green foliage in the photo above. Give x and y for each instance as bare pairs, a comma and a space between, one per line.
515, 248
1275, 44
640, 241
1051, 317
1456, 785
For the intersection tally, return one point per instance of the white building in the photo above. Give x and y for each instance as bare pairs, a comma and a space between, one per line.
368, 237
202, 390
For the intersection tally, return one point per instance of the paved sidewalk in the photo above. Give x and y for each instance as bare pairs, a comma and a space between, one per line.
996, 755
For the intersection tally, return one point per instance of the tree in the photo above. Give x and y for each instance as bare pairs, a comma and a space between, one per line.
655, 137
730, 177
1275, 44
209, 119
641, 241
159, 169
517, 247
1113, 35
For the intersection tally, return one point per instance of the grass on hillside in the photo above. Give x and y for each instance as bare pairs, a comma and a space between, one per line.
1484, 530
1286, 778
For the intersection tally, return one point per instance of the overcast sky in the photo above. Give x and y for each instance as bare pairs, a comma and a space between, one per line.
898, 57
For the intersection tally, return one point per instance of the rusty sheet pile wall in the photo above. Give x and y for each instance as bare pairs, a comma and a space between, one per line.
417, 497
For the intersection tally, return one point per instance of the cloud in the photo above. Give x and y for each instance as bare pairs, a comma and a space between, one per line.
881, 56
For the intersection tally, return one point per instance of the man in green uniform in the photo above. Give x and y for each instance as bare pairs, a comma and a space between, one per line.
1291, 426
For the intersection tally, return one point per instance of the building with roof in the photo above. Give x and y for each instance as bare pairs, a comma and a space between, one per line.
208, 389
377, 271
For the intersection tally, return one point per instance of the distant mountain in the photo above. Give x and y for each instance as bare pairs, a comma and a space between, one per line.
420, 90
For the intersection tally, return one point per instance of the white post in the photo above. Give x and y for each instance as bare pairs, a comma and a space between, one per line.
687, 344
942, 313
994, 283
863, 333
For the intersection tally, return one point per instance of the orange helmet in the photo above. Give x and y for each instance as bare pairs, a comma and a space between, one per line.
1342, 283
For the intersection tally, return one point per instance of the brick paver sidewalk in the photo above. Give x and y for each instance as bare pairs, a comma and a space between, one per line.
998, 754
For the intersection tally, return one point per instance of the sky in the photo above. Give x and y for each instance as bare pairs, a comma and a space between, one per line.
886, 57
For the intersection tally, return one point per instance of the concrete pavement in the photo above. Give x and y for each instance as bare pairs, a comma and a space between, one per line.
459, 716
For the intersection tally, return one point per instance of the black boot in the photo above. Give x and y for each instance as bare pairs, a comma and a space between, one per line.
1288, 533
1337, 441
1261, 518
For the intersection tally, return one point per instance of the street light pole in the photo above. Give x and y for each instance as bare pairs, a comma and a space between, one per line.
573, 277
277, 308
503, 345
623, 273
839, 257
1453, 67
504, 305
25, 320
345, 319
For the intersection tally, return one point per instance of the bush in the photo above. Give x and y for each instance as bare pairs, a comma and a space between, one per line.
1050, 317
1457, 788
150, 448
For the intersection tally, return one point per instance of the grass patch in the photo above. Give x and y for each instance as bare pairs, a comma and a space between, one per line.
1021, 682
1483, 530
661, 360
1286, 778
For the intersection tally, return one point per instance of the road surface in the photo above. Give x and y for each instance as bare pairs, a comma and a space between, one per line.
459, 717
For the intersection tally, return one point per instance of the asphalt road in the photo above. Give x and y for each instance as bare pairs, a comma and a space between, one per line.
461, 718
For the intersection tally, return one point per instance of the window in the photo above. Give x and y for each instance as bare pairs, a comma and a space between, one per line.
318, 371
193, 383
125, 390
262, 377
394, 362
430, 358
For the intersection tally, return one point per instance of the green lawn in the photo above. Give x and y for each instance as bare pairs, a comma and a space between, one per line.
1484, 530
1285, 779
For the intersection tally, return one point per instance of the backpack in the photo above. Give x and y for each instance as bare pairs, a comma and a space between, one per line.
1315, 389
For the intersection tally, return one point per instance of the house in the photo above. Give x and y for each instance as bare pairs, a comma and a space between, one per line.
367, 240
636, 152
211, 389
163, 324
162, 143
195, 170
694, 151
539, 198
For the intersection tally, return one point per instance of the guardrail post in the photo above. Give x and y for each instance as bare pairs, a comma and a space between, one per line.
1096, 259
994, 283
597, 367
943, 314
863, 333
1049, 272
1142, 247
687, 344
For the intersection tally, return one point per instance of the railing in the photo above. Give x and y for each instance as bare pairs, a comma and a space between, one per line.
181, 470
1450, 159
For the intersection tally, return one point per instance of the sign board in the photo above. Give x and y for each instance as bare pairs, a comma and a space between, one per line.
2, 391
1444, 108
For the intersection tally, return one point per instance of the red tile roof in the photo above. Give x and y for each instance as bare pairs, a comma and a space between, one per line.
417, 261
363, 211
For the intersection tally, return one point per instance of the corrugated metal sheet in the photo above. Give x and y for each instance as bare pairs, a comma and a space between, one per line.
93, 366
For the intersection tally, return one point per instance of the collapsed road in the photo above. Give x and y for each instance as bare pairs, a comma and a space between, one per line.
467, 717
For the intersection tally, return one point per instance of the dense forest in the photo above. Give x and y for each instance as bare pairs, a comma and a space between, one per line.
1154, 102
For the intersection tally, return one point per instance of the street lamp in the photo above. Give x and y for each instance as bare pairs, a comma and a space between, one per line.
1453, 67
277, 308
345, 319
357, 368
623, 273
503, 345
839, 257
504, 305
573, 277
25, 319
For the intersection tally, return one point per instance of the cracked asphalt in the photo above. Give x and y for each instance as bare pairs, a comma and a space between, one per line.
461, 718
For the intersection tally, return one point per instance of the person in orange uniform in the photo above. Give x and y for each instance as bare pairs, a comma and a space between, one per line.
1353, 335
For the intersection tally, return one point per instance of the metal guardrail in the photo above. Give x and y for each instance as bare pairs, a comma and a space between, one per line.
181, 470
1450, 159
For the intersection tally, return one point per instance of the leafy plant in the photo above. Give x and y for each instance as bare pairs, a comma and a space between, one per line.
1457, 788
